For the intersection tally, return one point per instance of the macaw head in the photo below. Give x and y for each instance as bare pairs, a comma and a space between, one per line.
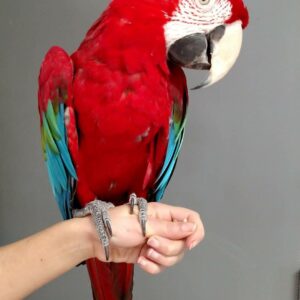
197, 34
206, 35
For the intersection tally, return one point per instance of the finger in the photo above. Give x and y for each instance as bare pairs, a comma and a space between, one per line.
168, 212
198, 235
150, 266
166, 246
179, 213
170, 230
165, 261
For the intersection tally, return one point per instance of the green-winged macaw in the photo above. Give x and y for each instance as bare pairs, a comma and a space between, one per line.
113, 113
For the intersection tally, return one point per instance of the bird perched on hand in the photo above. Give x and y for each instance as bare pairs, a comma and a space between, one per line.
113, 113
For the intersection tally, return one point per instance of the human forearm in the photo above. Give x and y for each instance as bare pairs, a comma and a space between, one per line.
32, 262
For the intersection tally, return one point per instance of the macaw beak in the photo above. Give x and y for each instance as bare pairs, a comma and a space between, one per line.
216, 51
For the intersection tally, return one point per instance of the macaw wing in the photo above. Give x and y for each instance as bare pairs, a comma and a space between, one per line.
57, 121
179, 94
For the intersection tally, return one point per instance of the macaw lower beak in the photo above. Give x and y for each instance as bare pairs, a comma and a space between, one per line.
216, 51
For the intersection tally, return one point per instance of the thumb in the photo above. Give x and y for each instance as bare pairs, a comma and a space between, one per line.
170, 230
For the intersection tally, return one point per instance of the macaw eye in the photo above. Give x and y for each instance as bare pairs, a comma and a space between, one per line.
204, 2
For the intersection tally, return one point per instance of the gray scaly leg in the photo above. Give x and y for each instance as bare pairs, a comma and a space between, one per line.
99, 212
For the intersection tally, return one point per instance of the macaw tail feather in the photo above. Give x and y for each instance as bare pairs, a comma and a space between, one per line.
110, 281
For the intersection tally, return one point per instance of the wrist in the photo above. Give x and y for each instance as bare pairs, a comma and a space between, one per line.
84, 231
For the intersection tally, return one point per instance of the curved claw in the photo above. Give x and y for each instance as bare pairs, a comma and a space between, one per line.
99, 211
107, 222
143, 224
143, 207
106, 250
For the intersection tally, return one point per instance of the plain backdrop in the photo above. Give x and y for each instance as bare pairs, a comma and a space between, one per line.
239, 167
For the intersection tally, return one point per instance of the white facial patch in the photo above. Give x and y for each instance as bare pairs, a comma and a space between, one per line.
225, 52
193, 17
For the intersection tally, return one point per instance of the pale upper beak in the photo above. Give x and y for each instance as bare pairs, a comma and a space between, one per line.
216, 51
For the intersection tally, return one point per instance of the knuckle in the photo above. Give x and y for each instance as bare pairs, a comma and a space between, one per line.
154, 270
154, 207
172, 261
167, 249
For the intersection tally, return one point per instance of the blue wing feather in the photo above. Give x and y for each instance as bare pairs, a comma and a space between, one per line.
54, 96
59, 163
178, 92
173, 150
62, 144
170, 151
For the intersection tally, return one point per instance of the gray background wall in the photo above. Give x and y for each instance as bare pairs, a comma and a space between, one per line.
240, 164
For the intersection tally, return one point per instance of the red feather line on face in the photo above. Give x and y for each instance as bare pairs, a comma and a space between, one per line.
239, 12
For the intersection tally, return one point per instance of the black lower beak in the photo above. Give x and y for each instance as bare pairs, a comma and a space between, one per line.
194, 51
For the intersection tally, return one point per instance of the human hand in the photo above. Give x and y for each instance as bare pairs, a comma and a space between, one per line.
170, 230
165, 248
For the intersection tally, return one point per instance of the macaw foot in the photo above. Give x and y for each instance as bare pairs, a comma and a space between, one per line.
99, 212
143, 206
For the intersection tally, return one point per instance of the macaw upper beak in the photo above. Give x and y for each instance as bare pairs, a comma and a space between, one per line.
216, 51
